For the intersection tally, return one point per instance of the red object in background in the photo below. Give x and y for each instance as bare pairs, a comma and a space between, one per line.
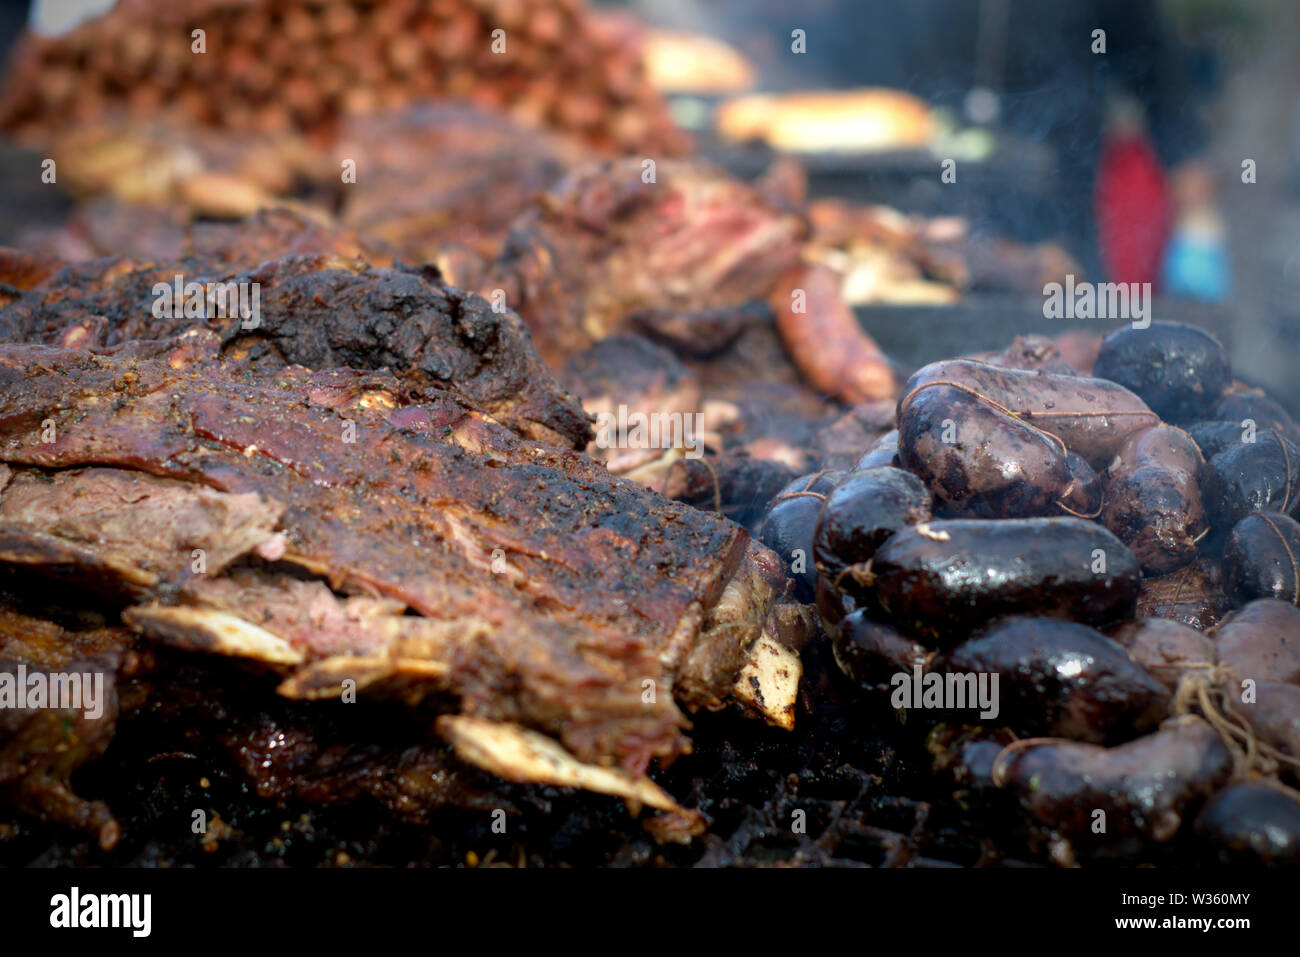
1132, 208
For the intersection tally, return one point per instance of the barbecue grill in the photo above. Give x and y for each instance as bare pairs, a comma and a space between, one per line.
368, 589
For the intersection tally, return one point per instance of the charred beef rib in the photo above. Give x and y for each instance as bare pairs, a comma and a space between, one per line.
341, 527
319, 310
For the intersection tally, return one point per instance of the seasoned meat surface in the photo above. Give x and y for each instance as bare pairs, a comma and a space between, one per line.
517, 577
314, 309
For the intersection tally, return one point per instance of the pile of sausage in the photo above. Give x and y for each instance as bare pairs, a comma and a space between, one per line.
1120, 549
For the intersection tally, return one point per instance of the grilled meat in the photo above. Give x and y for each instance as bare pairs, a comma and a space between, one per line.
160, 704
20, 270
321, 752
107, 227
316, 309
628, 382
40, 747
437, 176
734, 484
167, 160
272, 234
610, 240
725, 442
421, 549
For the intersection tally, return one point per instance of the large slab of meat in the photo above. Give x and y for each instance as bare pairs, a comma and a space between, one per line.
349, 530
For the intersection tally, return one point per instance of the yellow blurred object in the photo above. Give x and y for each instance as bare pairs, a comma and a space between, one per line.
690, 63
862, 120
223, 196
169, 160
874, 274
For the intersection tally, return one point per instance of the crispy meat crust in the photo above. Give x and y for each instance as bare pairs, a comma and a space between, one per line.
318, 310
598, 583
